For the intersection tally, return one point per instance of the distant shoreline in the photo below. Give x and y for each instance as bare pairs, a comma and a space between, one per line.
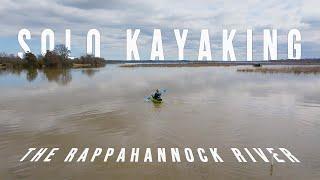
176, 63
305, 66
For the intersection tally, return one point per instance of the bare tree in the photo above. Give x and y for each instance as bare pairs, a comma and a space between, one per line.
62, 51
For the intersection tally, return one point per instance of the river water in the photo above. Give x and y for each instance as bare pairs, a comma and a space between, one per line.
203, 107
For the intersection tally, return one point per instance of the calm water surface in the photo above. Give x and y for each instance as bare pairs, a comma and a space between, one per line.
204, 107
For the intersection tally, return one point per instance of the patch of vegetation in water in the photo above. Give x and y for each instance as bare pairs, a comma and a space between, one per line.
290, 69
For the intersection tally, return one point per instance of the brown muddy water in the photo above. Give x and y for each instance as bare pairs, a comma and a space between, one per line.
203, 107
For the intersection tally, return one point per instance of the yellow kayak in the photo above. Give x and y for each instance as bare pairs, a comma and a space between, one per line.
158, 101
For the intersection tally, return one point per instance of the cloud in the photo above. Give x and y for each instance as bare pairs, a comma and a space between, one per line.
113, 17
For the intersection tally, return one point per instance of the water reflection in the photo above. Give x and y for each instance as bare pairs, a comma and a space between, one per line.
32, 74
15, 71
89, 72
60, 76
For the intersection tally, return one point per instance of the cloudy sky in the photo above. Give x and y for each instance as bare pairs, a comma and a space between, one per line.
113, 17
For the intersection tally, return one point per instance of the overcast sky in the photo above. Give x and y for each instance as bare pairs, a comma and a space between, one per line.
113, 17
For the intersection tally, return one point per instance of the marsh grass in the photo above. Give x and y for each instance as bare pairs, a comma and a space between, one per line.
290, 69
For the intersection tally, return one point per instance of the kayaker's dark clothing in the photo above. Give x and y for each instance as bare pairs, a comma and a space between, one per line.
157, 95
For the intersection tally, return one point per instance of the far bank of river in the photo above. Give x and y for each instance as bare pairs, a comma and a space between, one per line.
308, 66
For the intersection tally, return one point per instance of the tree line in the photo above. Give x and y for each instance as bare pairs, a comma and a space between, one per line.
58, 58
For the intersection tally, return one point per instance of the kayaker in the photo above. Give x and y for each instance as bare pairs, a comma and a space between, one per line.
157, 95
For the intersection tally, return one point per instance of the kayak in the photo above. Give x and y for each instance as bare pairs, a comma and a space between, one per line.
154, 100
158, 101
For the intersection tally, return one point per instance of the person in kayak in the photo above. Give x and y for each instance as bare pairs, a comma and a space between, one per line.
157, 95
